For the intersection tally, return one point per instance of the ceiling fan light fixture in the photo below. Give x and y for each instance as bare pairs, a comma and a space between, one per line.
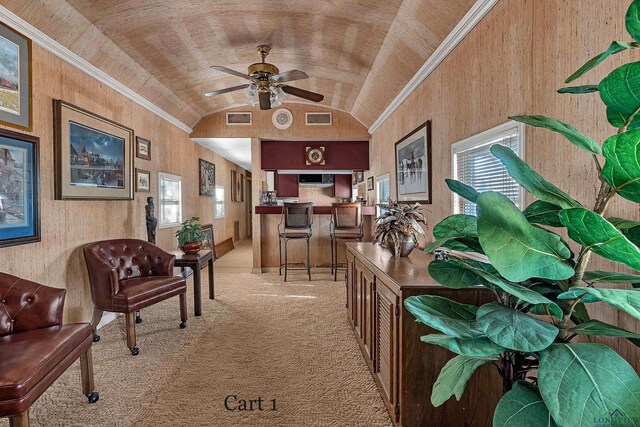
277, 96
250, 94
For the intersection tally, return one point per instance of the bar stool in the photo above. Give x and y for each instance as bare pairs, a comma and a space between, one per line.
346, 224
295, 224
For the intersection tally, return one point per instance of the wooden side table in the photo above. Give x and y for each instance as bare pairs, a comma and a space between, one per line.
196, 262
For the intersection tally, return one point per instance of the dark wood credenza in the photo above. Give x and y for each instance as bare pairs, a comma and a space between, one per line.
405, 368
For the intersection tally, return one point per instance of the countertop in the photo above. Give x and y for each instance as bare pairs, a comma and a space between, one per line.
317, 210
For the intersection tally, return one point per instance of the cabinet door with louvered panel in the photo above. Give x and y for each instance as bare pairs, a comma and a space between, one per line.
386, 306
349, 278
368, 326
358, 300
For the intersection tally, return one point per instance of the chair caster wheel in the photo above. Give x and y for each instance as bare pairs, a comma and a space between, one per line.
138, 319
93, 397
96, 337
135, 351
183, 325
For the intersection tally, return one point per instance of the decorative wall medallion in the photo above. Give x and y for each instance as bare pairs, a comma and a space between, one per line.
282, 118
314, 156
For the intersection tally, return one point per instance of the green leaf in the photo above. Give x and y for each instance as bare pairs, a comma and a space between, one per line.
616, 47
518, 250
600, 236
574, 293
515, 330
543, 213
623, 224
622, 169
452, 275
454, 376
610, 277
571, 133
463, 190
627, 300
444, 315
438, 243
581, 381
596, 328
456, 226
632, 20
620, 91
530, 179
518, 291
579, 90
480, 346
522, 406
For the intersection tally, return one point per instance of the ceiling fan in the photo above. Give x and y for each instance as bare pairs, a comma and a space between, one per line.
266, 83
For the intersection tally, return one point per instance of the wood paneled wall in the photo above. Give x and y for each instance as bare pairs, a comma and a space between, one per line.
512, 63
68, 225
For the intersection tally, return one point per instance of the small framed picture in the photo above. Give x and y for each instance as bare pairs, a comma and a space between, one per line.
360, 176
143, 148
143, 181
370, 183
207, 238
207, 178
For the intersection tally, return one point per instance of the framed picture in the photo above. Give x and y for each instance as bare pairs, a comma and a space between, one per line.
207, 178
354, 178
19, 189
207, 237
413, 166
370, 183
143, 181
15, 79
242, 187
360, 176
234, 185
94, 156
143, 148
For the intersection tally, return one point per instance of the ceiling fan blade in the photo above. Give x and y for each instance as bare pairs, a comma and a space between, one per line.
230, 71
229, 89
289, 76
265, 100
301, 93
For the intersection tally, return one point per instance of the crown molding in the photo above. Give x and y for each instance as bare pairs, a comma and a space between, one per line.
459, 32
49, 44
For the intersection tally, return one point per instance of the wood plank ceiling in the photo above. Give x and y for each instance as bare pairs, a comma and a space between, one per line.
359, 53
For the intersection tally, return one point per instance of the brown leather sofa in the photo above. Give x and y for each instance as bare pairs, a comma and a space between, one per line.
35, 348
127, 275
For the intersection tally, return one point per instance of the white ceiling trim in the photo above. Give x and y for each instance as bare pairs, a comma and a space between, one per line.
459, 32
49, 44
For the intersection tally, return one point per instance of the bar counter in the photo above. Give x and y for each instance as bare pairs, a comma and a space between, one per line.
320, 244
317, 210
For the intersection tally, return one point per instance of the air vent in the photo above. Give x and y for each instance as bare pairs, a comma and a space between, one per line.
240, 119
318, 119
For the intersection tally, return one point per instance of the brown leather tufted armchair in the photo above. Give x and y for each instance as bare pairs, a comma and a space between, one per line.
35, 348
127, 275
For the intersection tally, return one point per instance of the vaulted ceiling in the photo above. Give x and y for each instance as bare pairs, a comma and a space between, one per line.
359, 53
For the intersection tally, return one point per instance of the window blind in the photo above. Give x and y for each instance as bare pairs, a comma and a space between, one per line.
476, 166
219, 202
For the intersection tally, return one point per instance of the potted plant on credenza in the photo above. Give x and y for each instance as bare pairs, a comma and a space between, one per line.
398, 227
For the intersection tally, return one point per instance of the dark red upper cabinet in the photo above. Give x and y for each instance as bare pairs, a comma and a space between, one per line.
342, 186
286, 185
291, 155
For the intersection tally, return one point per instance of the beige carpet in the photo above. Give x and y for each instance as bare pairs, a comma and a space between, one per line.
239, 260
259, 338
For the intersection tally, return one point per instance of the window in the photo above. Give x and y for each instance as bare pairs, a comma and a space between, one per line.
474, 165
219, 202
170, 200
382, 192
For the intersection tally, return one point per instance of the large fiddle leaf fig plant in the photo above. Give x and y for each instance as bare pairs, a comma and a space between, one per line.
541, 286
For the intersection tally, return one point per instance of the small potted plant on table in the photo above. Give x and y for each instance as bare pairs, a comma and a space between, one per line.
398, 227
190, 236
